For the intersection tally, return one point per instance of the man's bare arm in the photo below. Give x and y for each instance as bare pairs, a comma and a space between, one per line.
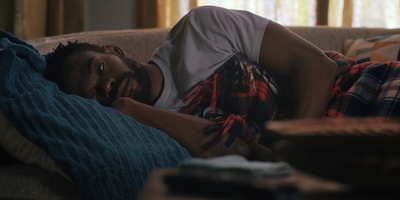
187, 130
308, 71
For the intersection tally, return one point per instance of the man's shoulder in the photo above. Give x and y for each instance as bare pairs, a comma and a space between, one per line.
208, 9
211, 11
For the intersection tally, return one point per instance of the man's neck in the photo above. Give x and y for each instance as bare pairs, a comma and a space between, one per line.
157, 81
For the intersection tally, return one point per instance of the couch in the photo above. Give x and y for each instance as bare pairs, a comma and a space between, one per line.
20, 179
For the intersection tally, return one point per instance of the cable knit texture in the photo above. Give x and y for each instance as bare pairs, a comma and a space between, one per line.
107, 154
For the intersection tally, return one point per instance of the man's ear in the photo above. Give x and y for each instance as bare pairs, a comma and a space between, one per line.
114, 49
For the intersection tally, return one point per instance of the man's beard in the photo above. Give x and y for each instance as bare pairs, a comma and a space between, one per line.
137, 72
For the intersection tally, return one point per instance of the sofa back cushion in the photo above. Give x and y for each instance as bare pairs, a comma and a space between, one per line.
333, 38
138, 44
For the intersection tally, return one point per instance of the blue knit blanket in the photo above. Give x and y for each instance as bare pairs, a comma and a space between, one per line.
107, 154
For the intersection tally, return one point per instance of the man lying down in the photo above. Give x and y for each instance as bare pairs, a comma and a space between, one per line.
220, 75
217, 78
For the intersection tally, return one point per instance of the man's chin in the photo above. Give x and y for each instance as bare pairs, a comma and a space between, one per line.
142, 99
106, 102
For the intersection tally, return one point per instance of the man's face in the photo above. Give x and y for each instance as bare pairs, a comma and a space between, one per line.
106, 77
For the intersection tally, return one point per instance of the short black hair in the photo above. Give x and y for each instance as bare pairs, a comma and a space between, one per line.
61, 58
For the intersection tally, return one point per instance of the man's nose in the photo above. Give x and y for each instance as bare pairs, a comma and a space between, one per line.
106, 87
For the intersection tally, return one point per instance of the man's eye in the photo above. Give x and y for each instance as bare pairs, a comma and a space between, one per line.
100, 69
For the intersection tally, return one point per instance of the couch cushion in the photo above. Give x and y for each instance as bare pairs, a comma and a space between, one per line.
14, 145
138, 44
332, 38
380, 48
20, 181
5, 158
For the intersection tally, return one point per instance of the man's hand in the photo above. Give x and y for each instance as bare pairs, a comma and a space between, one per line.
259, 151
187, 130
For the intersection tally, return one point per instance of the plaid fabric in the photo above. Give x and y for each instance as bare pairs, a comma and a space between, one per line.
240, 97
366, 89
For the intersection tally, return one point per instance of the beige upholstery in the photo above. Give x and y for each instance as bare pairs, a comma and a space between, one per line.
138, 44
141, 43
329, 38
24, 150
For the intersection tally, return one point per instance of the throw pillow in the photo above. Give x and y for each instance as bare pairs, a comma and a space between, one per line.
379, 48
17, 146
107, 154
